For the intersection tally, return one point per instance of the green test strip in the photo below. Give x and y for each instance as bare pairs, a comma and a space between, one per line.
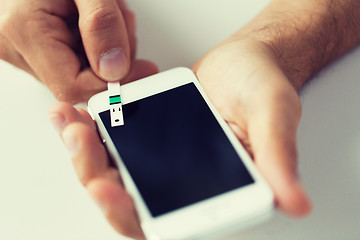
115, 99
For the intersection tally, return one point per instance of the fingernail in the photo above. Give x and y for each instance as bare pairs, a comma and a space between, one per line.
58, 121
70, 142
112, 64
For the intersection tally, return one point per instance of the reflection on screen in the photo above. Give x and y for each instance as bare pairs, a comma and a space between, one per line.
175, 150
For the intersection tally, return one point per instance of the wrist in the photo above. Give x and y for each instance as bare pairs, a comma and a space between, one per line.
304, 36
263, 54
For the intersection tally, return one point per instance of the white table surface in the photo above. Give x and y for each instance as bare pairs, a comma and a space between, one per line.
40, 197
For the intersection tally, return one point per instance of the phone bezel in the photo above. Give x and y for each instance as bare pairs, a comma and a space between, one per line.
254, 201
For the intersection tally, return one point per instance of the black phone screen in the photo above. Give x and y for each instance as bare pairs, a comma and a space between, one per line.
175, 150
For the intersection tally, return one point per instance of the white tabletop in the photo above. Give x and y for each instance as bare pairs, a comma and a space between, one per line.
40, 197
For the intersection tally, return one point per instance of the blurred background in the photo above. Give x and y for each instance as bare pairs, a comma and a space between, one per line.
41, 198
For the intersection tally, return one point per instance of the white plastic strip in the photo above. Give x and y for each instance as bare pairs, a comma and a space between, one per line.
116, 113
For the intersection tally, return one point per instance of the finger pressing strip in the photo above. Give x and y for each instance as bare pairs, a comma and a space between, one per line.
116, 113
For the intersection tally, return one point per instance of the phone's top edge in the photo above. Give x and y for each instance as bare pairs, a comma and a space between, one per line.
136, 89
173, 71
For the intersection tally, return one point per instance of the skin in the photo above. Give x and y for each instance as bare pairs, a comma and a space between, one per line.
44, 38
252, 78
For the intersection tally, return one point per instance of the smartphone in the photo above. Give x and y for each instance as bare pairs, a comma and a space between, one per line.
188, 174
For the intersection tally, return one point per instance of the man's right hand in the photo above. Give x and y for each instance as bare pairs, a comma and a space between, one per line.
72, 46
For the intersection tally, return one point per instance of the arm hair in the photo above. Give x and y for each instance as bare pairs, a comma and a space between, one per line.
306, 35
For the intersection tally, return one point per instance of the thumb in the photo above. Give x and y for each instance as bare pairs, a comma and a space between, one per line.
273, 139
105, 39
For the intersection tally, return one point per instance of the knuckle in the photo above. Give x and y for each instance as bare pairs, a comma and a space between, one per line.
67, 94
5, 23
20, 26
99, 19
59, 95
125, 230
3, 49
12, 19
84, 179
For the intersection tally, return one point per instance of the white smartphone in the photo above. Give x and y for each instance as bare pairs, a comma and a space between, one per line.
189, 176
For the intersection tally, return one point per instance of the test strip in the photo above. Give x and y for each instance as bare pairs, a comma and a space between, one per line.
116, 113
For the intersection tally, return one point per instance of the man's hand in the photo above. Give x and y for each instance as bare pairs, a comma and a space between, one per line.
71, 46
246, 85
